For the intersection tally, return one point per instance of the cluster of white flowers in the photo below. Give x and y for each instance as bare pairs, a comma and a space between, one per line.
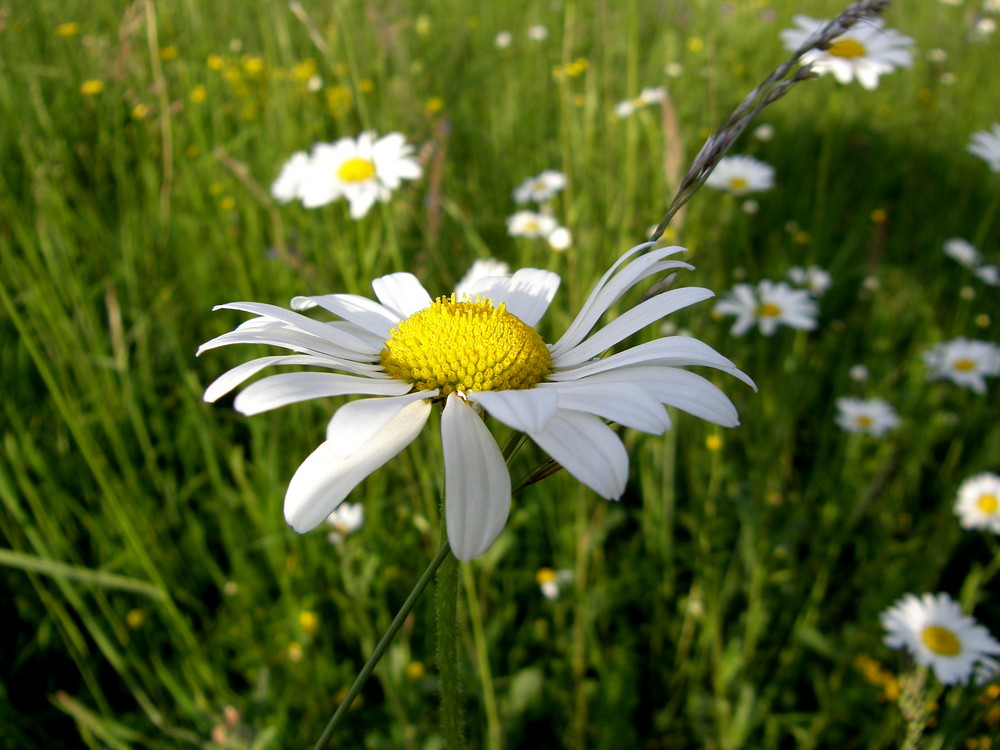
740, 175
864, 53
647, 97
817, 280
541, 224
361, 170
964, 253
768, 305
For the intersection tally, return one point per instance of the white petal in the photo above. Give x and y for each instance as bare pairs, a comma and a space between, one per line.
402, 293
302, 323
292, 387
611, 288
361, 311
232, 378
527, 410
633, 320
477, 483
675, 351
626, 404
588, 449
277, 335
527, 294
324, 479
356, 422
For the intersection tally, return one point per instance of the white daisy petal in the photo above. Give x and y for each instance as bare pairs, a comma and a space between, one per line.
477, 483
292, 387
354, 308
232, 378
402, 293
588, 449
290, 339
622, 403
355, 422
526, 409
325, 478
298, 322
527, 293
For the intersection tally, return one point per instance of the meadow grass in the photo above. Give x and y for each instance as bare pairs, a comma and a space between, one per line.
729, 600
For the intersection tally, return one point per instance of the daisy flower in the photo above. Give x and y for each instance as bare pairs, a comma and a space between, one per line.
962, 252
873, 417
988, 274
531, 224
560, 239
964, 362
648, 96
476, 354
768, 305
362, 170
864, 52
937, 633
740, 175
293, 173
986, 145
551, 581
978, 503
345, 519
814, 278
541, 188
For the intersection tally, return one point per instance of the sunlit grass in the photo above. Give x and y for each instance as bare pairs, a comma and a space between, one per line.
729, 600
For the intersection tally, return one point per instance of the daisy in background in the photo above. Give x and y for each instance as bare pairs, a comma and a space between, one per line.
865, 52
647, 97
938, 635
540, 188
873, 417
551, 581
480, 269
814, 278
476, 354
362, 170
531, 224
767, 306
963, 252
978, 503
345, 520
739, 175
964, 362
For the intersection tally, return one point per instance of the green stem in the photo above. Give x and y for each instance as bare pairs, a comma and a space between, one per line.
447, 653
383, 645
494, 737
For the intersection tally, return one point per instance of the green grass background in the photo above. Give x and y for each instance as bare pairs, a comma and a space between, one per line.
150, 580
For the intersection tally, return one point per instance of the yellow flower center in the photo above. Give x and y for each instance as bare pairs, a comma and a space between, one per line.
964, 365
941, 640
864, 421
848, 48
356, 169
463, 345
768, 310
545, 575
988, 504
736, 184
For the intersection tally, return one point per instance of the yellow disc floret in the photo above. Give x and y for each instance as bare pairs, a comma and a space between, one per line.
847, 48
356, 169
941, 640
466, 345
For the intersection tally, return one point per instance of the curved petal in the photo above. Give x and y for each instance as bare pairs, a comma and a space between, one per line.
588, 449
633, 320
527, 410
360, 311
277, 335
527, 294
354, 423
296, 322
621, 402
324, 479
675, 351
232, 378
402, 293
291, 387
477, 483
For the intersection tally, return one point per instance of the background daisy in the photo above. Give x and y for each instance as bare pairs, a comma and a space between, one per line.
978, 503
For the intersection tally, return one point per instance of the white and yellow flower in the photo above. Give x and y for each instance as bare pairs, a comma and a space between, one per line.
740, 175
345, 519
978, 503
474, 354
531, 224
863, 53
964, 362
937, 633
986, 145
768, 305
540, 188
362, 170
873, 417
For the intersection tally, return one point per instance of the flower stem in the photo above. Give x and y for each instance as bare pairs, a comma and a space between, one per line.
390, 633
447, 653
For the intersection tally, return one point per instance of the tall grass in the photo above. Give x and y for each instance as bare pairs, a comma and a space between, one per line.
725, 602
